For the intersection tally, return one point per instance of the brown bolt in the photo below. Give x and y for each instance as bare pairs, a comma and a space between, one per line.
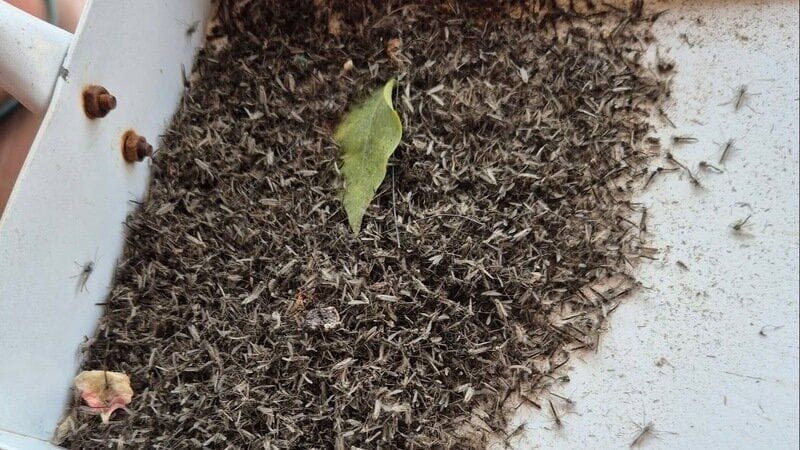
97, 102
135, 147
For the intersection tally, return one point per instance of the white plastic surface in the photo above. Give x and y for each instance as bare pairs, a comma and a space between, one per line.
12, 441
74, 193
31, 52
721, 384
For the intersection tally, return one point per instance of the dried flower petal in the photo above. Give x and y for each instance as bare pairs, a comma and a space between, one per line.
104, 391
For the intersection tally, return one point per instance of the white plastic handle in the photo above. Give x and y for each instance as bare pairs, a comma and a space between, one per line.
31, 53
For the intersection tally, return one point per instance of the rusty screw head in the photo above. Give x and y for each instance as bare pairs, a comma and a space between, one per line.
97, 102
135, 147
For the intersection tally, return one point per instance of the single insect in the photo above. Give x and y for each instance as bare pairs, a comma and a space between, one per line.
567, 400
643, 221
678, 140
725, 150
741, 97
642, 435
86, 271
681, 265
555, 414
665, 117
661, 362
192, 28
653, 174
739, 225
520, 429
709, 167
765, 328
185, 79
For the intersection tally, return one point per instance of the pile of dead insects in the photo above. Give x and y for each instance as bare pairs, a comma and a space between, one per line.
476, 272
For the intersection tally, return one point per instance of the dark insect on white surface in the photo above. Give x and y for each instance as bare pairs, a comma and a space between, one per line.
739, 225
642, 435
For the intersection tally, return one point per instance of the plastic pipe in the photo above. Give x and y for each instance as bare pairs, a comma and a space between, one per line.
31, 53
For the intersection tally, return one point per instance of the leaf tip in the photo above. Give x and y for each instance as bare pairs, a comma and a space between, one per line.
387, 92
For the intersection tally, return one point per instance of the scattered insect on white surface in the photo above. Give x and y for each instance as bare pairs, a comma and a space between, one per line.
645, 432
83, 276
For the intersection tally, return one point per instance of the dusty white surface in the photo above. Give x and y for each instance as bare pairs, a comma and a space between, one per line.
720, 383
72, 197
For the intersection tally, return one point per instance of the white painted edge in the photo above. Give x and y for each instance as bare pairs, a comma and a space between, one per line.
73, 195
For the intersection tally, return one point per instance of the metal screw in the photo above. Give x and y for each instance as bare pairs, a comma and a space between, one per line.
135, 147
97, 101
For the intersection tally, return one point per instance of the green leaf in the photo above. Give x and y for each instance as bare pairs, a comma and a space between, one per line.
368, 135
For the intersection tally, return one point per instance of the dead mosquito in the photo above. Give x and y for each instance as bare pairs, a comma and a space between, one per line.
86, 271
765, 328
665, 117
703, 165
519, 430
566, 400
683, 139
192, 28
741, 97
555, 414
644, 433
725, 150
739, 225
653, 174
643, 221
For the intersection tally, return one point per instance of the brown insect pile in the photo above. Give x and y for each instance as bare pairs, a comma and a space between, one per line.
248, 315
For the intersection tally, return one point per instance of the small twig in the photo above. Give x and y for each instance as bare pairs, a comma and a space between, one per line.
394, 212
